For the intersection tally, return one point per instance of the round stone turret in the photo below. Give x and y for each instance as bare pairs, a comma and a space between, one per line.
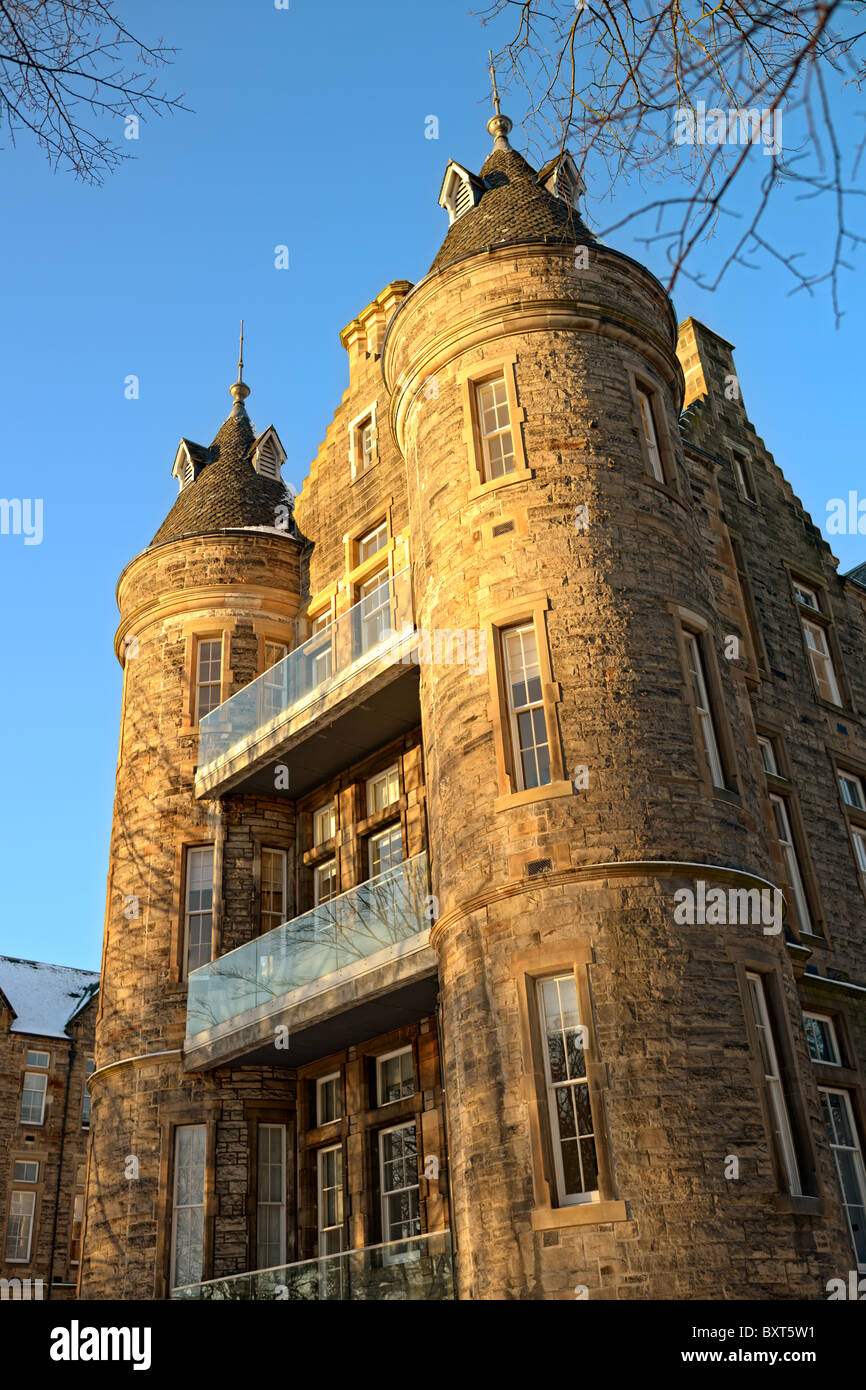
571, 792
231, 587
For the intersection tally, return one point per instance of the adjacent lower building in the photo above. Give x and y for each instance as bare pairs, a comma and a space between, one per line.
487, 895
47, 1023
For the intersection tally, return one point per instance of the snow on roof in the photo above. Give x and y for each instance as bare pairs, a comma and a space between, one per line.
44, 997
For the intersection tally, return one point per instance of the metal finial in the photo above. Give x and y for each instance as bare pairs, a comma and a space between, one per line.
498, 125
493, 81
240, 390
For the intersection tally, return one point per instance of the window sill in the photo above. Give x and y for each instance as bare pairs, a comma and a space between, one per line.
728, 794
386, 816
526, 798
178, 987
584, 1214
777, 783
320, 854
835, 1073
520, 475
371, 566
797, 1206
328, 1133
798, 948
829, 706
811, 939
357, 474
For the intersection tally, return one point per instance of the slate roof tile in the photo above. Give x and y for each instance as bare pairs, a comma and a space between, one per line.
227, 493
515, 209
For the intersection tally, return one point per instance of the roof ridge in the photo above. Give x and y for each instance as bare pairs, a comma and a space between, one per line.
50, 964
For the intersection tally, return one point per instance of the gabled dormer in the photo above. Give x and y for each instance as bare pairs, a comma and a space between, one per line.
460, 191
561, 177
188, 462
268, 454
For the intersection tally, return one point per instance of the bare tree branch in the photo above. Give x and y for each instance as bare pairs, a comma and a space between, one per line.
66, 68
623, 82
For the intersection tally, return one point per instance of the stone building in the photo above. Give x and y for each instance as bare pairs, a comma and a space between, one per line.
47, 1024
458, 805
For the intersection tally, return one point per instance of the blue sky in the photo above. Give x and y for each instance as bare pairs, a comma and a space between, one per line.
307, 129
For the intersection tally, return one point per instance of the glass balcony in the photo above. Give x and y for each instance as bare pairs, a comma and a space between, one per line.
416, 1270
365, 634
379, 913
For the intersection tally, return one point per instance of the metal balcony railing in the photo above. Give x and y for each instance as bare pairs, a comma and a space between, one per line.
414, 1270
368, 918
363, 634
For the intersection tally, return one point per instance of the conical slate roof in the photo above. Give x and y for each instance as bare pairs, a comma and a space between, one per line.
858, 574
227, 491
514, 209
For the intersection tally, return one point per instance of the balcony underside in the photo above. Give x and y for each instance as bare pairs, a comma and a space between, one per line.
339, 728
384, 991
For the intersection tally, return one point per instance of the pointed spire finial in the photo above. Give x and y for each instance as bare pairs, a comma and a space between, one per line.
240, 390
493, 82
498, 125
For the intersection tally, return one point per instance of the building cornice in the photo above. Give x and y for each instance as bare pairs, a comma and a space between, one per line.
519, 318
808, 979
546, 248
590, 873
194, 540
182, 602
132, 1061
